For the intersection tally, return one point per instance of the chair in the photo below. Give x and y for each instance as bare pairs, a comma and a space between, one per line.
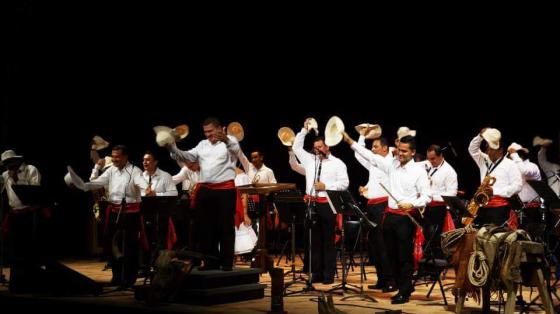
430, 268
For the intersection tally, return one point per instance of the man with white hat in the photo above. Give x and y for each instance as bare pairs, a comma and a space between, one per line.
410, 190
215, 198
529, 171
508, 178
323, 172
377, 202
550, 169
17, 173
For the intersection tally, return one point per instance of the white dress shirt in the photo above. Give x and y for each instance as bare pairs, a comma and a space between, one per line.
408, 183
443, 179
261, 175
242, 179
26, 175
294, 163
529, 171
376, 176
126, 182
333, 171
217, 161
508, 178
551, 171
187, 178
162, 183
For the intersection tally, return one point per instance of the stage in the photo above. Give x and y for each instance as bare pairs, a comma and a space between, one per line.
124, 301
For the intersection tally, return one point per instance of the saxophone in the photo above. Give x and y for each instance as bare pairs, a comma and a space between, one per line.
480, 199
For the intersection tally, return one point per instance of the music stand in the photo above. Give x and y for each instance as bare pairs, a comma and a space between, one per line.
156, 211
342, 202
291, 208
458, 205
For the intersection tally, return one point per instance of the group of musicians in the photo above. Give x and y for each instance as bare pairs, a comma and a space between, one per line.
405, 196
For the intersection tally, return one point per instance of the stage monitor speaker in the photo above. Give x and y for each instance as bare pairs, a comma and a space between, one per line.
50, 277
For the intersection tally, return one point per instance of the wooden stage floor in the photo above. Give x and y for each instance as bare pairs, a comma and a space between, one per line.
297, 303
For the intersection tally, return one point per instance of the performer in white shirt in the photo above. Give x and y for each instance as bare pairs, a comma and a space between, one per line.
17, 173
323, 172
409, 185
443, 182
257, 171
551, 170
216, 199
529, 171
188, 176
377, 202
160, 183
508, 178
125, 183
23, 227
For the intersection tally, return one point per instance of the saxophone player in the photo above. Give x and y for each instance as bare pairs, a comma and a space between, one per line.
508, 180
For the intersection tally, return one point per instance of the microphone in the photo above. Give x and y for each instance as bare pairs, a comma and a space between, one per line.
450, 146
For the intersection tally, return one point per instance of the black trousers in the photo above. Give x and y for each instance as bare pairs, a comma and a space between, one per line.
492, 215
125, 247
434, 218
376, 242
323, 253
214, 225
399, 233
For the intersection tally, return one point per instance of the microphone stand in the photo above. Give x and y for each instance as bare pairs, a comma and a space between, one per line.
309, 221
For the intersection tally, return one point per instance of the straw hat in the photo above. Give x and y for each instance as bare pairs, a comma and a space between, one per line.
286, 136
333, 131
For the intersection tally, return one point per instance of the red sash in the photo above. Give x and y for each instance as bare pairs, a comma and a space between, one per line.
417, 251
497, 201
436, 203
321, 200
533, 205
377, 200
227, 185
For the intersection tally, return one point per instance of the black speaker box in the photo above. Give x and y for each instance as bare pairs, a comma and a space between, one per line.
50, 277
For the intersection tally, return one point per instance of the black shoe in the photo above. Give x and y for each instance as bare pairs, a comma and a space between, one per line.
400, 299
207, 267
388, 288
227, 268
398, 295
377, 286
316, 278
329, 281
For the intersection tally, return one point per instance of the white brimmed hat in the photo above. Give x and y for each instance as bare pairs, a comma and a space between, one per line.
333, 131
286, 136
164, 135
537, 140
98, 143
518, 147
404, 131
235, 129
9, 154
373, 133
492, 137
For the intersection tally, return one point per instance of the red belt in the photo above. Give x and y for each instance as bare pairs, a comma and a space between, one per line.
436, 203
533, 205
497, 201
322, 200
377, 200
227, 185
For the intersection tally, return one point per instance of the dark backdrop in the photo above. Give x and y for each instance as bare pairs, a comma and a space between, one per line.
73, 70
